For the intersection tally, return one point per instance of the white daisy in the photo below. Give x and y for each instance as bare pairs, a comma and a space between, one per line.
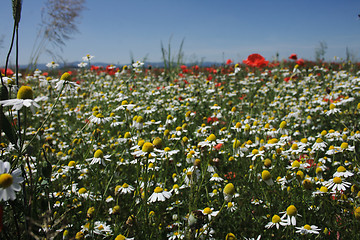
17, 104
306, 229
289, 217
99, 157
9, 182
231, 206
337, 184
82, 64
124, 189
159, 195
275, 221
210, 212
342, 172
99, 119
52, 65
216, 178
88, 57
319, 145
101, 228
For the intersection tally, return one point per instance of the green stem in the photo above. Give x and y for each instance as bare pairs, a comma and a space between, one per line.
212, 220
46, 119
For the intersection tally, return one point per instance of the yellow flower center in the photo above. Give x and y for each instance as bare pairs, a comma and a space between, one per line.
216, 175
167, 149
71, 164
230, 236
211, 138
82, 190
101, 227
139, 119
323, 189
319, 140
273, 141
307, 227
236, 143
66, 76
337, 180
341, 169
98, 154
267, 162
300, 174
344, 145
125, 185
141, 143
230, 204
120, 237
294, 146
229, 189
255, 151
238, 125
25, 92
79, 235
291, 210
283, 124
148, 147
275, 219
207, 210
157, 142
158, 190
99, 115
6, 180
295, 164
116, 209
265, 175
332, 106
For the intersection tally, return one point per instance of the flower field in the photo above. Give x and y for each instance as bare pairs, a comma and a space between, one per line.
251, 150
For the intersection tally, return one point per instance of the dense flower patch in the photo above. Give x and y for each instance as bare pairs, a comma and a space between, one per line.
234, 151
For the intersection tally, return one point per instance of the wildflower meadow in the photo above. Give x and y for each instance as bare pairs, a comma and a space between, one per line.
257, 149
251, 150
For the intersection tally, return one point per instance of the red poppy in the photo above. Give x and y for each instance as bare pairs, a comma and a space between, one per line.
8, 71
293, 57
256, 60
300, 62
212, 119
95, 68
230, 175
218, 146
229, 61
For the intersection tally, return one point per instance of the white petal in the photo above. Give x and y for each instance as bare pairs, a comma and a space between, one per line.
10, 193
161, 197
16, 187
2, 195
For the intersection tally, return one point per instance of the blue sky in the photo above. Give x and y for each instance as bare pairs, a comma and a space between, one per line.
112, 30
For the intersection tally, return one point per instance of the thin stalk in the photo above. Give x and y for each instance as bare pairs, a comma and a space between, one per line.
11, 46
47, 117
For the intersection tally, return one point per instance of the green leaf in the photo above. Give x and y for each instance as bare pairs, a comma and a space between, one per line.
7, 128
